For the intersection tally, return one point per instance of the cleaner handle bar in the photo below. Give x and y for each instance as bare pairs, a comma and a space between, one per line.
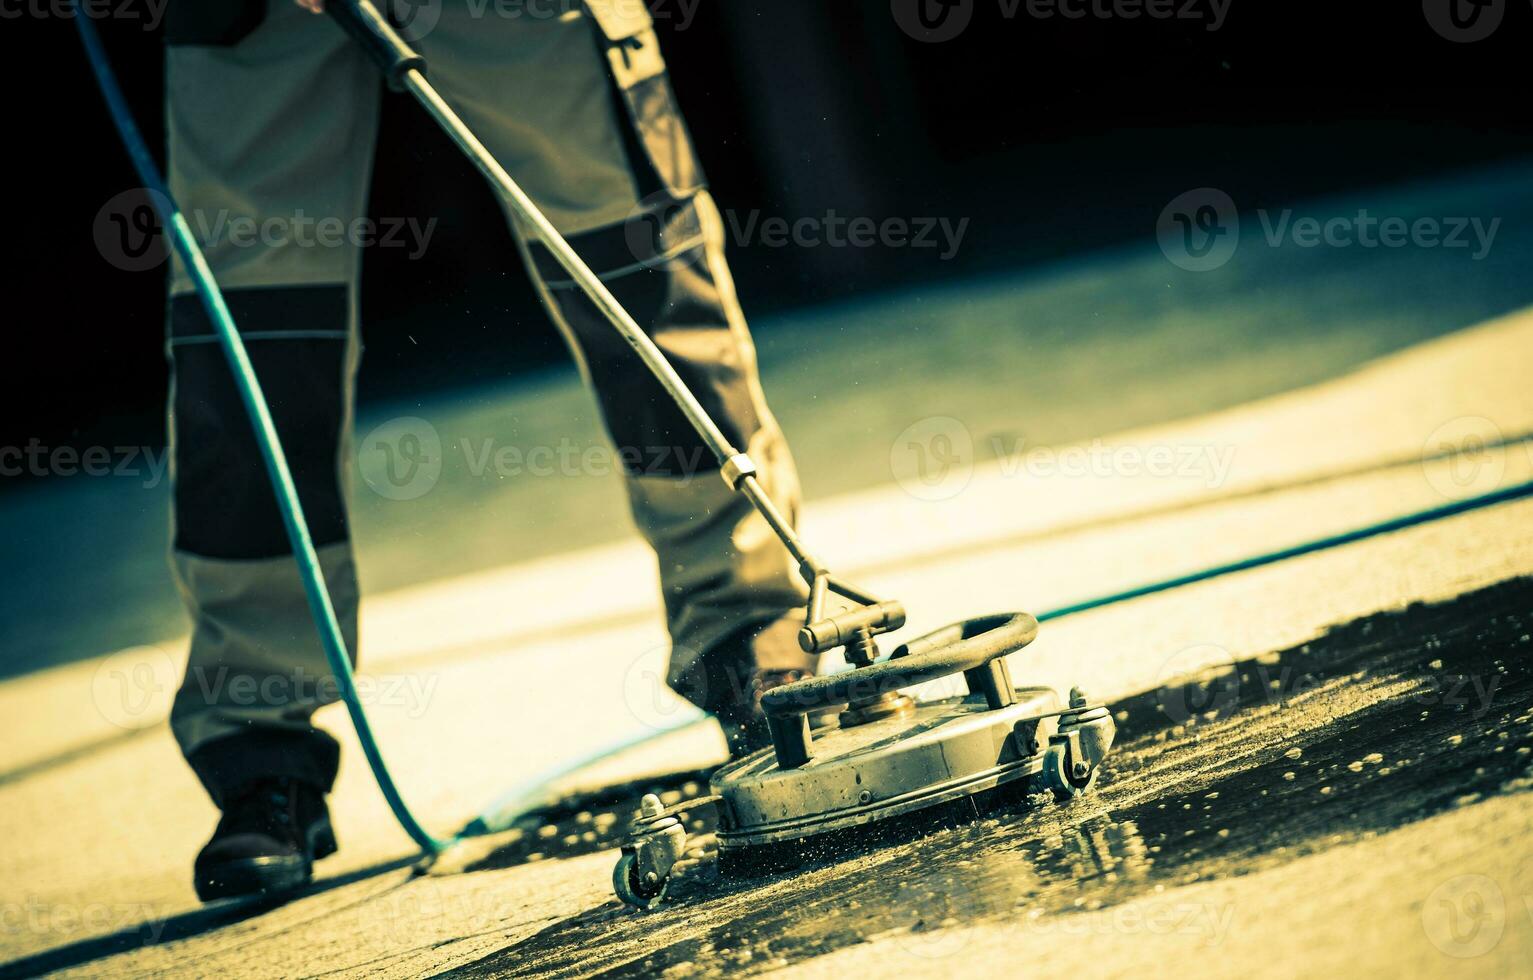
834, 631
378, 38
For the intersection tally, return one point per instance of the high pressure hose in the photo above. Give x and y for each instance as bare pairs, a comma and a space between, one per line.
401, 69
249, 386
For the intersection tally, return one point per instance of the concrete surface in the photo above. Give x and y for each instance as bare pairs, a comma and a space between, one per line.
470, 696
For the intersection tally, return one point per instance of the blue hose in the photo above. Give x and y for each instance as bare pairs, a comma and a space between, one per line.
1427, 516
260, 416
502, 814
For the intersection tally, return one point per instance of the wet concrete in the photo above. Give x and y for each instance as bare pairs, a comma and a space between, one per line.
592, 822
1380, 723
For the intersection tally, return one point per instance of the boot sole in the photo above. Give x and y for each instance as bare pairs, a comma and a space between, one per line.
262, 876
266, 876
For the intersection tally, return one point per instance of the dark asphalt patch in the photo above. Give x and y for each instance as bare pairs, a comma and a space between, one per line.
1379, 723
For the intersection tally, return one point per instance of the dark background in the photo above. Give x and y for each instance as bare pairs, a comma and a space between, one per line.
1052, 136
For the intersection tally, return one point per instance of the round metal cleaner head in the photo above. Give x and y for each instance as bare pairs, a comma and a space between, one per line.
945, 751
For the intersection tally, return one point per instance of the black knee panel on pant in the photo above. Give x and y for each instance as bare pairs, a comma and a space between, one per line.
226, 766
224, 503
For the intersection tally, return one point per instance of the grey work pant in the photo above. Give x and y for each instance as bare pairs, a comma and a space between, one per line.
272, 116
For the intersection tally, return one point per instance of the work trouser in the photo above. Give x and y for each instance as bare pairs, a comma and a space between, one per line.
272, 114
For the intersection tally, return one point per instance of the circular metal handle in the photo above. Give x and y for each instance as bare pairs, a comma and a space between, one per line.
973, 646
963, 646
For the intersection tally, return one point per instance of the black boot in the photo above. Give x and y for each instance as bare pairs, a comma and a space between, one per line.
271, 834
744, 723
729, 680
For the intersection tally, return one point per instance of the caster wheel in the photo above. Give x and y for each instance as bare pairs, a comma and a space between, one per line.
1064, 779
639, 894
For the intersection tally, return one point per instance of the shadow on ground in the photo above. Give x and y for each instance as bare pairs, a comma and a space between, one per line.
185, 926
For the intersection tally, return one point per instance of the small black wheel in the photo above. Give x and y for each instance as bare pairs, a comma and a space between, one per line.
1065, 779
641, 895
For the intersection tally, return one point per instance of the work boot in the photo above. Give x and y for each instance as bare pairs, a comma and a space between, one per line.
729, 680
271, 834
743, 721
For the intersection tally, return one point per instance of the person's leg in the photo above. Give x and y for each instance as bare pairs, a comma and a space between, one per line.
579, 109
271, 119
